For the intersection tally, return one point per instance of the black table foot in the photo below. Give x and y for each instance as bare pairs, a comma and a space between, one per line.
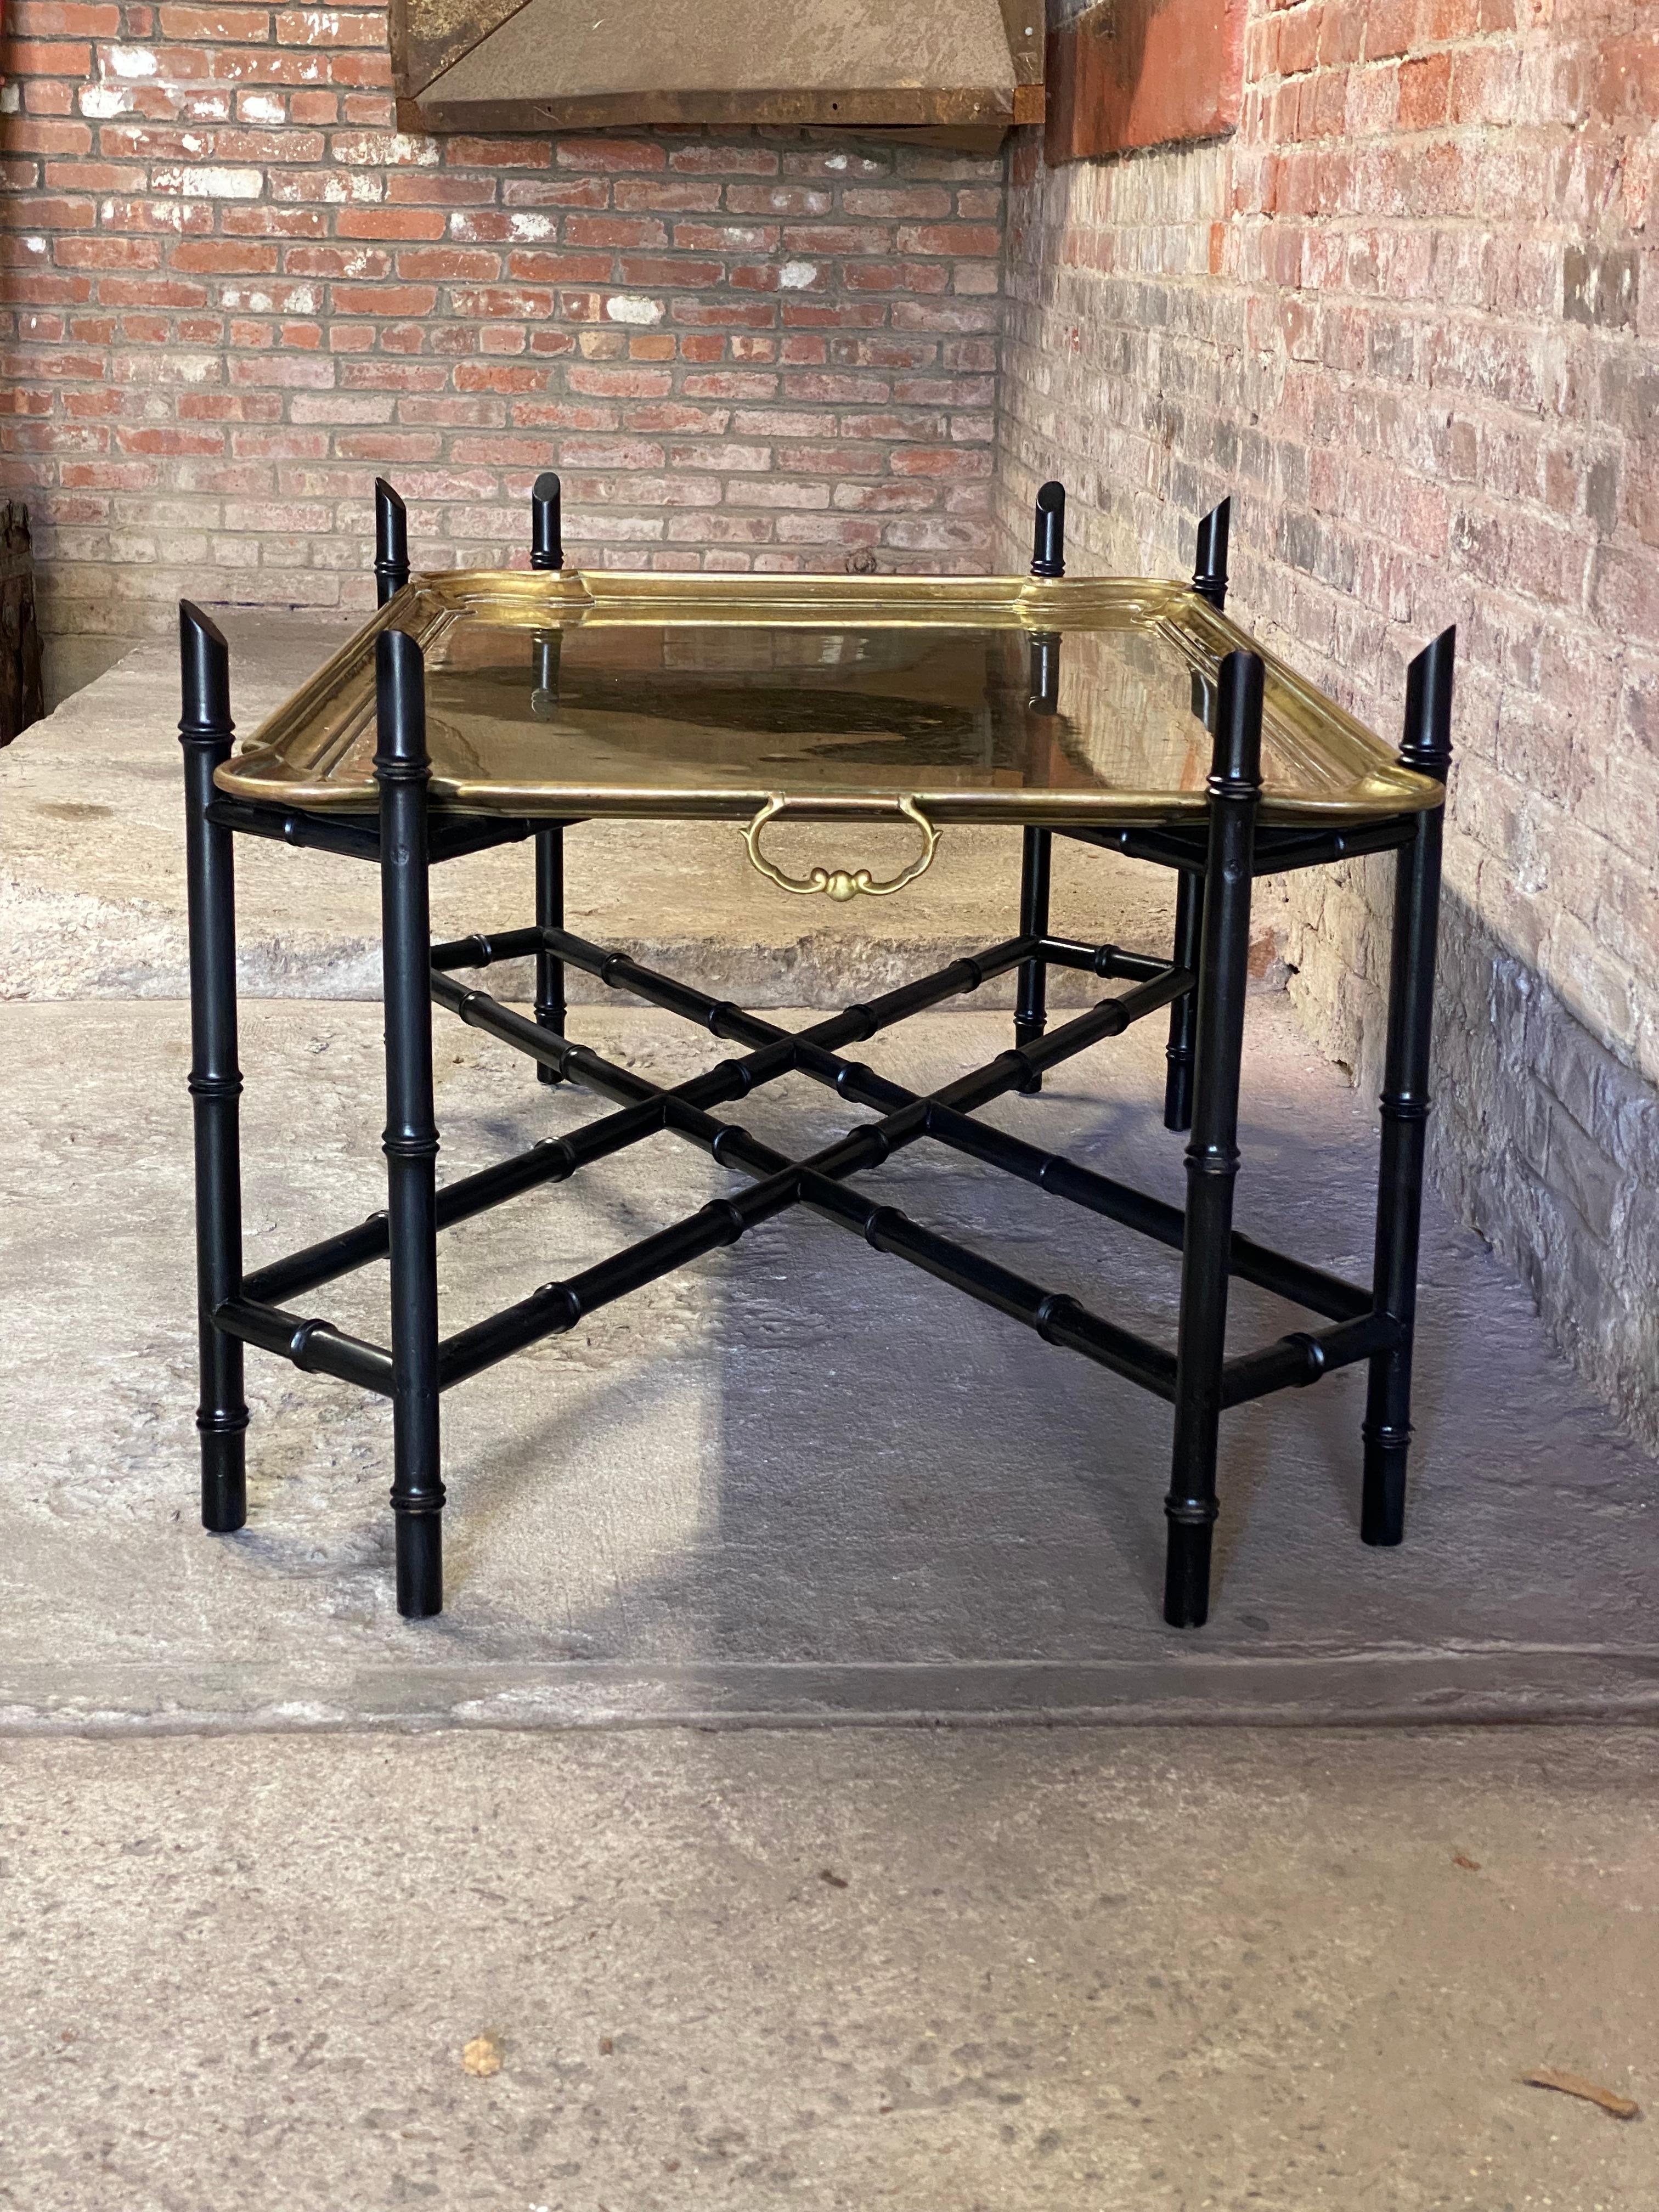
1382, 1499
420, 1565
224, 1475
1187, 1573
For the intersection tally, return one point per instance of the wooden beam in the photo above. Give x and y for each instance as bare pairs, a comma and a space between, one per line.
678, 64
1024, 24
428, 35
682, 111
1135, 73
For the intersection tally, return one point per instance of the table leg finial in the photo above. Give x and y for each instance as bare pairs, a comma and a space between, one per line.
1048, 537
391, 542
1210, 564
546, 534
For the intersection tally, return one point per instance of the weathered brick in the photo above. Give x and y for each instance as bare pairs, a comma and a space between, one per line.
26, 135
895, 276
962, 239
838, 460
75, 251
328, 26
656, 194
934, 461
776, 492
215, 27
615, 230
361, 261
385, 300
917, 203
607, 156
224, 255
378, 221
778, 200
551, 267
725, 238
620, 383
648, 270
64, 19
1425, 92
741, 159
19, 213
448, 264
45, 57
724, 314
729, 384
810, 240
44, 95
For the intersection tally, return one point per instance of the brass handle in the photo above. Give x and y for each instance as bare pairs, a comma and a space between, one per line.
840, 884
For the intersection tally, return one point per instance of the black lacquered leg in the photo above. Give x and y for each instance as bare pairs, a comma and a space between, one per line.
1210, 582
216, 1082
550, 915
1183, 1015
547, 555
1235, 787
1427, 747
401, 771
1031, 1000
1047, 565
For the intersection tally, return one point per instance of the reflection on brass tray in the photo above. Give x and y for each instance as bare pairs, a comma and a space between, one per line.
989, 699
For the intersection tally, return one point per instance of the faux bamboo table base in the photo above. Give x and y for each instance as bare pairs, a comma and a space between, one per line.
1132, 715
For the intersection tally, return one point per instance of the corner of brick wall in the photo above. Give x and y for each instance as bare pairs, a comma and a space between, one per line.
233, 292
1405, 316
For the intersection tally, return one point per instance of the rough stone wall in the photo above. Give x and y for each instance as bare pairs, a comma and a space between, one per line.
232, 292
1407, 316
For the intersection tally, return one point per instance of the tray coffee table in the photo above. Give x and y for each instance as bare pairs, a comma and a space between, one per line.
481, 707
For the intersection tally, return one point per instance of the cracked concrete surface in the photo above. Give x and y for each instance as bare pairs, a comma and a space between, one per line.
1069, 1971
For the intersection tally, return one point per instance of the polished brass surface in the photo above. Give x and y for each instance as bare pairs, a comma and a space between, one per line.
840, 884
674, 697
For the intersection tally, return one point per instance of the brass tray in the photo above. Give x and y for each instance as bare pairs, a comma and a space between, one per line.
678, 697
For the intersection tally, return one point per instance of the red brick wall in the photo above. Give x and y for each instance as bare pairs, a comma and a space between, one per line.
233, 292
1407, 316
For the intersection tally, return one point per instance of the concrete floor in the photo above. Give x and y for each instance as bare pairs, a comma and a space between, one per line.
950, 1971
243, 1939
